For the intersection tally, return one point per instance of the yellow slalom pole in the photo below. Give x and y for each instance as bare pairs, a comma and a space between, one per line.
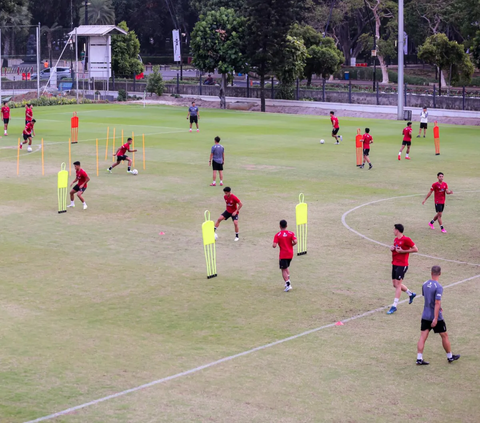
97, 155
106, 147
69, 157
113, 145
133, 148
18, 157
43, 162
208, 234
143, 142
301, 214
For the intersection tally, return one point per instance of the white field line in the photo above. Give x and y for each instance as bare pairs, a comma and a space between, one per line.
232, 357
387, 246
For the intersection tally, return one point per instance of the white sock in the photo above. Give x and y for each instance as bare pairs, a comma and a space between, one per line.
221, 182
395, 302
419, 356
84, 203
400, 153
409, 292
72, 202
449, 355
406, 155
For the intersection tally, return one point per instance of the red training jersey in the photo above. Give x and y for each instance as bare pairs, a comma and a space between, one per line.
231, 202
367, 139
28, 129
123, 149
28, 114
6, 112
334, 120
405, 243
82, 177
439, 190
407, 133
285, 239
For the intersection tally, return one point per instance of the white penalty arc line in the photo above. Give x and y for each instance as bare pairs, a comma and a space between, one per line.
222, 360
344, 222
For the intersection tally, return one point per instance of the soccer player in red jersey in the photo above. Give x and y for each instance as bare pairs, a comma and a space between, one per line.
367, 140
5, 116
121, 156
407, 141
27, 135
285, 241
81, 181
335, 127
233, 206
401, 249
440, 189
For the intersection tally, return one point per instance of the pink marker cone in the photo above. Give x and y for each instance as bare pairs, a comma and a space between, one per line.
161, 233
339, 324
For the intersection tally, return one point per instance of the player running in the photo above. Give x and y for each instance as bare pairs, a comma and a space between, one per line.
285, 241
367, 140
440, 189
5, 117
401, 249
335, 127
217, 160
407, 141
194, 115
432, 317
122, 156
29, 115
81, 182
27, 135
233, 206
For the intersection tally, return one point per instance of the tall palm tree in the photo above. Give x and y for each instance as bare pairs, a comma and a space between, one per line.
16, 19
49, 32
100, 12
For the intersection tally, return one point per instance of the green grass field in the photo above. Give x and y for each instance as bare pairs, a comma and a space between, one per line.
96, 302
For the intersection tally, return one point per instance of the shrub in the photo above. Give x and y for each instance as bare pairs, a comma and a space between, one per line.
122, 95
155, 82
47, 101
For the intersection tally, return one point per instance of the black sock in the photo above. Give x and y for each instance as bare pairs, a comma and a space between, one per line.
110, 168
214, 228
236, 234
128, 167
441, 226
432, 222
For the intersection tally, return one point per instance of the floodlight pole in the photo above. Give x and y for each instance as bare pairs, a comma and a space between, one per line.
400, 101
38, 59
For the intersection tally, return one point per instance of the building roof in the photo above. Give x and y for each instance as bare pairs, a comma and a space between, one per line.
97, 30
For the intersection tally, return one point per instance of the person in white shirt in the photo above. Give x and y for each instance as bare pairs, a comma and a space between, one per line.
423, 122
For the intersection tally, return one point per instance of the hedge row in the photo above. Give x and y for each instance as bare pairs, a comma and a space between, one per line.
47, 101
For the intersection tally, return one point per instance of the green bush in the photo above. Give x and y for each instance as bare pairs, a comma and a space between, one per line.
122, 95
47, 101
155, 82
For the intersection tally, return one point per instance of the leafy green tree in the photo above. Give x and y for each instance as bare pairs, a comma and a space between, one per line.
438, 50
205, 6
125, 51
292, 67
268, 24
155, 82
324, 58
14, 15
49, 31
217, 43
476, 49
100, 12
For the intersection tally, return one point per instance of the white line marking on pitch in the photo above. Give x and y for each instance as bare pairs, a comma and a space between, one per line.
262, 347
344, 216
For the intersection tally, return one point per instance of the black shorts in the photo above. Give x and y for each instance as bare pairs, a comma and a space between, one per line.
217, 166
423, 125
76, 188
6, 120
120, 158
439, 208
335, 131
440, 327
284, 263
407, 143
26, 137
398, 272
193, 119
228, 215
366, 151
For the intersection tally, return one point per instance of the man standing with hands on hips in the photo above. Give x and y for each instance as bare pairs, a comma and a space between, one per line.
217, 159
194, 115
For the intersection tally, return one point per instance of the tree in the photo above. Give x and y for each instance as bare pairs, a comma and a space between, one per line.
204, 6
324, 58
49, 32
217, 43
449, 55
292, 67
100, 12
476, 49
15, 15
268, 24
155, 82
125, 51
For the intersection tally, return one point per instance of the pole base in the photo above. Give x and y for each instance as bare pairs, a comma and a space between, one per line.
212, 276
302, 253
62, 211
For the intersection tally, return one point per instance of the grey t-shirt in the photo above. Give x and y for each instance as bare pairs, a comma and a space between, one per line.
217, 151
431, 291
193, 110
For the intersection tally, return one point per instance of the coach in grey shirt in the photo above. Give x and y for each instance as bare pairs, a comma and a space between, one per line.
432, 317
194, 115
217, 159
